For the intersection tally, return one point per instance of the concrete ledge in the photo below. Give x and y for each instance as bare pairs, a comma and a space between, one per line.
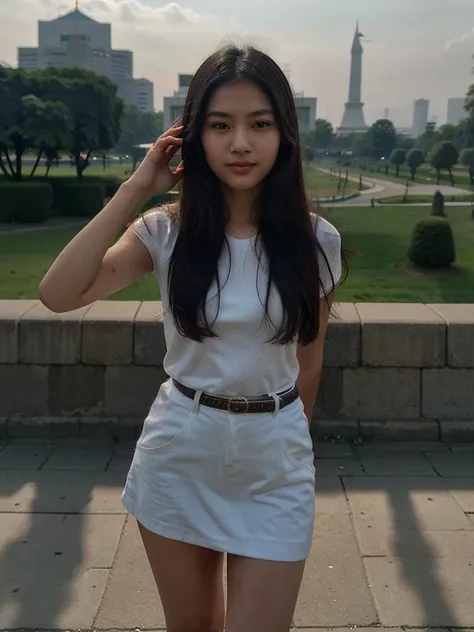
390, 371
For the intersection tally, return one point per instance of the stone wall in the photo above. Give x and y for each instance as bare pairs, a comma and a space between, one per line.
402, 371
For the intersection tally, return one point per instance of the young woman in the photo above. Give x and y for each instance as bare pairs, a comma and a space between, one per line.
224, 464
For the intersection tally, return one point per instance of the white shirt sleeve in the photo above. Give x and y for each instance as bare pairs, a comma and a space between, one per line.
149, 228
330, 263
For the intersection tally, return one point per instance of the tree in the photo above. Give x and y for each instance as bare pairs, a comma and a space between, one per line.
362, 146
444, 156
96, 110
405, 142
397, 158
428, 140
415, 158
384, 138
28, 122
323, 134
137, 128
467, 159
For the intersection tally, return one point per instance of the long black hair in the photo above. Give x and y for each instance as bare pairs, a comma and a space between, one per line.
282, 213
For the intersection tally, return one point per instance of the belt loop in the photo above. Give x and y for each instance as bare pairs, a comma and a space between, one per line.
197, 400
276, 399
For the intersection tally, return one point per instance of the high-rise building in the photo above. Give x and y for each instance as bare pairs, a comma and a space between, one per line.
353, 120
173, 106
456, 111
75, 39
420, 117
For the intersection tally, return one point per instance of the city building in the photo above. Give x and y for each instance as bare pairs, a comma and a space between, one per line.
420, 117
456, 111
353, 120
75, 39
173, 106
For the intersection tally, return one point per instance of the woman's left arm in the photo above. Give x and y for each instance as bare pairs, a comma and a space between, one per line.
310, 359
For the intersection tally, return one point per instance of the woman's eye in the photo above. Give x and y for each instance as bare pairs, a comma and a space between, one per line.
219, 125
262, 124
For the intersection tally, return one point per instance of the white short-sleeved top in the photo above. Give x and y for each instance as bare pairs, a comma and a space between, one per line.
240, 361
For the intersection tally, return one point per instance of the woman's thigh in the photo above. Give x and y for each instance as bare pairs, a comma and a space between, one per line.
190, 583
261, 595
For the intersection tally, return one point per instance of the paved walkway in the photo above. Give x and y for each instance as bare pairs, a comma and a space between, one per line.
393, 543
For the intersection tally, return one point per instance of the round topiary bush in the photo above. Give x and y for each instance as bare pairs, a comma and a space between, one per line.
432, 244
25, 202
82, 199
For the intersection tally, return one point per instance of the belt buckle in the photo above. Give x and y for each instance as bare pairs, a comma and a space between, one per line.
239, 401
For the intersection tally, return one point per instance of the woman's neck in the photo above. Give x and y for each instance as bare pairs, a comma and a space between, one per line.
241, 207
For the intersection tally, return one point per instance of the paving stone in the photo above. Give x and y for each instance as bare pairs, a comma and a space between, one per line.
399, 430
381, 393
330, 497
10, 314
80, 458
342, 347
380, 538
385, 448
54, 568
338, 467
460, 342
337, 596
448, 394
18, 380
401, 464
333, 450
131, 390
120, 463
25, 457
70, 492
412, 593
462, 489
453, 464
324, 429
462, 447
107, 333
149, 335
3, 431
402, 334
131, 598
49, 338
407, 502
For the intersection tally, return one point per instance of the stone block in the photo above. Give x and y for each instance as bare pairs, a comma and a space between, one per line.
342, 345
3, 431
48, 428
116, 428
149, 338
402, 335
50, 338
24, 390
396, 430
381, 393
76, 390
329, 402
460, 333
453, 430
448, 393
107, 333
10, 314
130, 391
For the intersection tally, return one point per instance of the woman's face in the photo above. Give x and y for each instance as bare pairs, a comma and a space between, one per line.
240, 135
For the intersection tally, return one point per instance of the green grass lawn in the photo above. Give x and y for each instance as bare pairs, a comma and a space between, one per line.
322, 185
378, 270
418, 199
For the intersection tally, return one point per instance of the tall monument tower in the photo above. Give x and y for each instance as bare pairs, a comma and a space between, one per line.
353, 120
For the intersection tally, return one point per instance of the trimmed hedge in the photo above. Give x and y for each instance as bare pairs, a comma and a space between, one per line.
432, 244
84, 199
25, 202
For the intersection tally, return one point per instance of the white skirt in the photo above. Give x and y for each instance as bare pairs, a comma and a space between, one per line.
240, 484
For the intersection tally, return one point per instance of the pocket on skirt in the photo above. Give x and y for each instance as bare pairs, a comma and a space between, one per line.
294, 433
169, 416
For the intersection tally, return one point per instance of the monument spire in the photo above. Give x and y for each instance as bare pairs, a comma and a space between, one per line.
76, 5
353, 119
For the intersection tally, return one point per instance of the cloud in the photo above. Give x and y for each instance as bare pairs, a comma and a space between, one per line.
459, 40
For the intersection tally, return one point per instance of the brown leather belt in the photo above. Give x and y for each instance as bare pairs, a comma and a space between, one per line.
241, 405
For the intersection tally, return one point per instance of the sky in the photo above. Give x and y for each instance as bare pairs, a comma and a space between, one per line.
412, 48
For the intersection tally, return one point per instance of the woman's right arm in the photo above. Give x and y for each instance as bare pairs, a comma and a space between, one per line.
91, 266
